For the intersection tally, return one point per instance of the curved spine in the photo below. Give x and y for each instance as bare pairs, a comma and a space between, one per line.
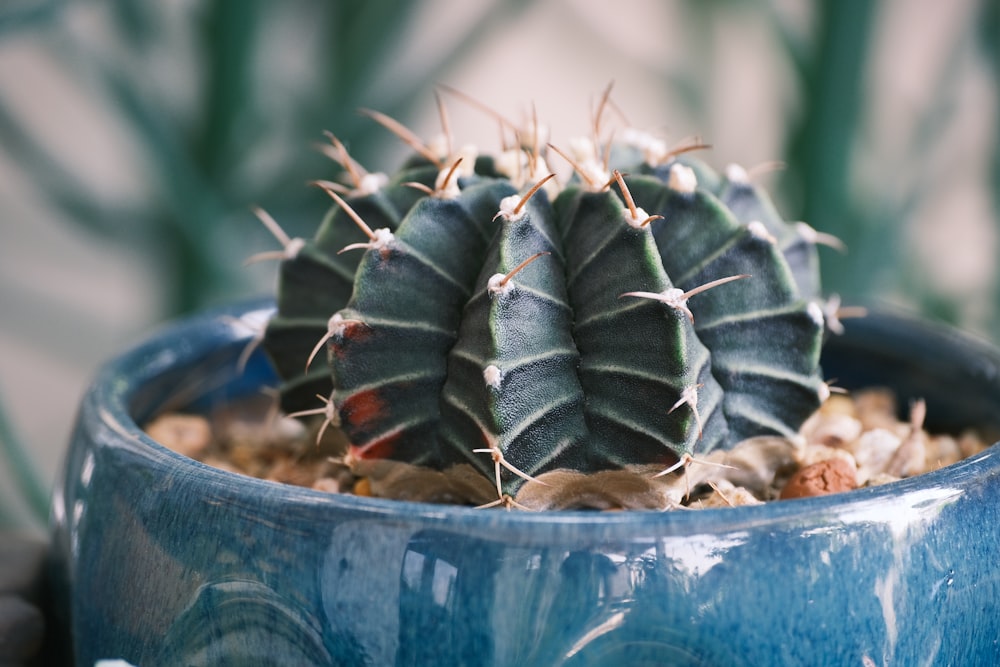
628, 325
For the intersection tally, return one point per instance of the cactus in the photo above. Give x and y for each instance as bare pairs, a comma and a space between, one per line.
487, 330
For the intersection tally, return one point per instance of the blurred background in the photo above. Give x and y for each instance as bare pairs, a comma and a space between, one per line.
135, 135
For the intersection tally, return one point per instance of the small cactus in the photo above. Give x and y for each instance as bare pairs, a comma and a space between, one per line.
491, 330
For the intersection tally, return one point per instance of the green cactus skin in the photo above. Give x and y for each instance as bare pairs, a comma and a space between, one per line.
438, 358
317, 282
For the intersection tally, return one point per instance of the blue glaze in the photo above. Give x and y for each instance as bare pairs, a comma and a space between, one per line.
160, 560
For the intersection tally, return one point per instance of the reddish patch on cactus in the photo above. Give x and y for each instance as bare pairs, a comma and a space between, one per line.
668, 459
354, 332
379, 449
364, 408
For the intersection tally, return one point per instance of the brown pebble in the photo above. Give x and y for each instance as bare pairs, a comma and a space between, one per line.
838, 404
821, 478
189, 435
832, 430
881, 478
873, 451
970, 443
942, 451
287, 470
725, 494
811, 454
223, 464
328, 484
363, 487
876, 408
252, 460
910, 456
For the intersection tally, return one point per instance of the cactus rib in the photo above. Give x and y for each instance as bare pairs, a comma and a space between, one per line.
496, 328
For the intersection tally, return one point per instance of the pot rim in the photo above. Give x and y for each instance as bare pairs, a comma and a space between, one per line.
184, 342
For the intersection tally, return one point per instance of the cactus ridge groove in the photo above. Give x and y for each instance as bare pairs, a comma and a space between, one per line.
502, 331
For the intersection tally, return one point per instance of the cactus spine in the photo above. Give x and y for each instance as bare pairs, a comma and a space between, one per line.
493, 333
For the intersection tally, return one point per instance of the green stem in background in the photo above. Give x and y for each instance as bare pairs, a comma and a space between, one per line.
820, 151
17, 17
386, 24
191, 209
193, 163
989, 40
363, 29
229, 36
196, 277
23, 471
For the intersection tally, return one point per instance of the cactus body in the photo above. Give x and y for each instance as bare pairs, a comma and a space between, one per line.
441, 358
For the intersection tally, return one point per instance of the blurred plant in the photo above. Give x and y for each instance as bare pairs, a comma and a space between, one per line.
988, 22
29, 502
218, 100
835, 79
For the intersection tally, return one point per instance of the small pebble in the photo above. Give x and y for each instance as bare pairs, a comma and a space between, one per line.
277, 433
816, 453
971, 444
363, 487
837, 404
851, 441
832, 430
822, 478
876, 408
223, 464
724, 494
942, 450
190, 435
252, 460
881, 478
289, 470
910, 457
873, 451
327, 484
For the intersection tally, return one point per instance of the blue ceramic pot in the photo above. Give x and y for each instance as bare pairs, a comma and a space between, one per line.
160, 560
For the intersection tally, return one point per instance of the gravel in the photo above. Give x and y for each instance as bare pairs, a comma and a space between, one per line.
850, 442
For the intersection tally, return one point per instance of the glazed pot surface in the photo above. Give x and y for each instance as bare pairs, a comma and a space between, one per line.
161, 560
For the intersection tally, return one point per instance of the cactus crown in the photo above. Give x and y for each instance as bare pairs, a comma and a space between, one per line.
491, 336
